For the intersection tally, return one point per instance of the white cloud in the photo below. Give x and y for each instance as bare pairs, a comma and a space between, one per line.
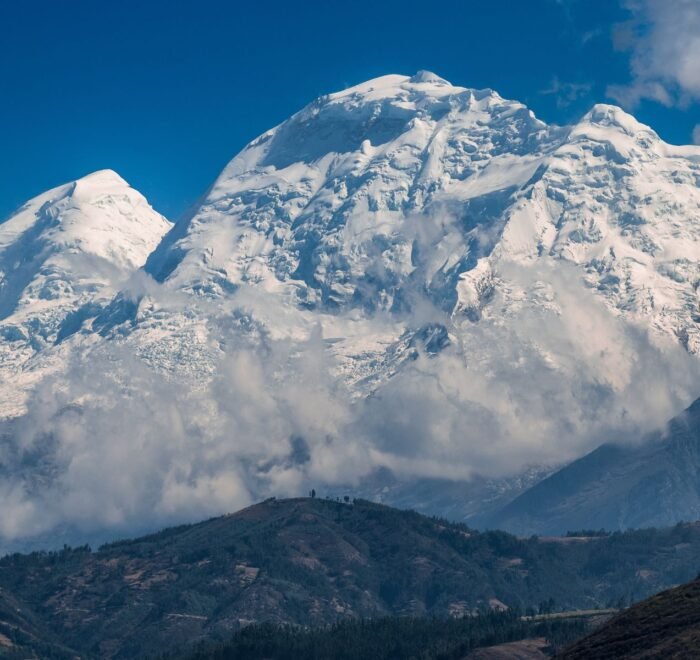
113, 445
663, 38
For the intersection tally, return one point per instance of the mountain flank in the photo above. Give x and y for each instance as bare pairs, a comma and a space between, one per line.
654, 483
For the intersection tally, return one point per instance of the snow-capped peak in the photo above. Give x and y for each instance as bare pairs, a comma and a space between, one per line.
395, 85
68, 249
98, 183
99, 214
341, 176
610, 123
605, 114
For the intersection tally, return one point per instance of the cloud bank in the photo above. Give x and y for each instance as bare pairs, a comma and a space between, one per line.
115, 447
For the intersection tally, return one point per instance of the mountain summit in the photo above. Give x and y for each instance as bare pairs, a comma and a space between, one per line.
326, 204
410, 184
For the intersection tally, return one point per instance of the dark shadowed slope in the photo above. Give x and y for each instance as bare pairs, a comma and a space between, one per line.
615, 487
664, 626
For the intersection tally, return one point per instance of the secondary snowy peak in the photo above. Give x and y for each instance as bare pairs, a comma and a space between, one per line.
69, 242
624, 206
99, 214
603, 114
64, 252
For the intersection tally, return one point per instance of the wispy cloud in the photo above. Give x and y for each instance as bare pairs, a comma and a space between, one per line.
663, 39
567, 93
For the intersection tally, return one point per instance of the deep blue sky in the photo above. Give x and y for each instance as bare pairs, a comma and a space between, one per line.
166, 93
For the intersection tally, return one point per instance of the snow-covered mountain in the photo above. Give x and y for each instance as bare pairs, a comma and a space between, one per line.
404, 195
403, 184
346, 186
431, 281
62, 255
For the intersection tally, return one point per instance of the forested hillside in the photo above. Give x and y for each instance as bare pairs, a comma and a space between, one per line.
315, 562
